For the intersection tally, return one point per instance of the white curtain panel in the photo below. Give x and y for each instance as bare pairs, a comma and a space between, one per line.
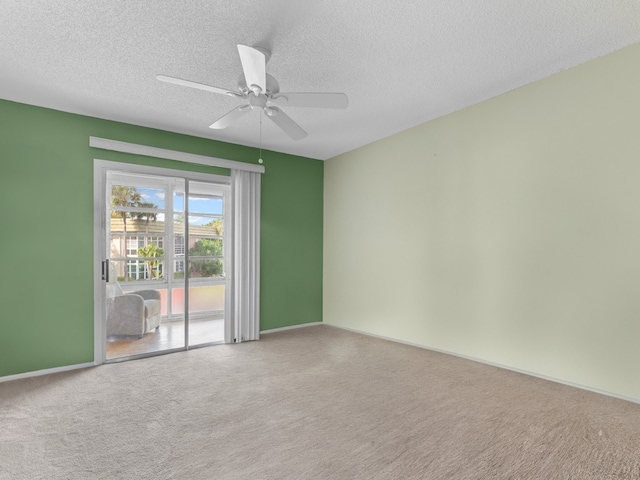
245, 294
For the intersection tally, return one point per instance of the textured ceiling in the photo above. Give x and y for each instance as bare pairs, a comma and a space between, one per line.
400, 63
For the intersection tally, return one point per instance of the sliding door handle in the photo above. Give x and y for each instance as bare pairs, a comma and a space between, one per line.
105, 270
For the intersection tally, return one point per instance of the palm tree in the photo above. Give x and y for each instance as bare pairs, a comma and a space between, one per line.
123, 196
149, 253
217, 226
145, 215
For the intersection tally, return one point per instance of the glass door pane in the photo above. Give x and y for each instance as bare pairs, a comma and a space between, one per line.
143, 291
175, 320
206, 253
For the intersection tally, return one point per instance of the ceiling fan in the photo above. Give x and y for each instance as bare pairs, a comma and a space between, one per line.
261, 91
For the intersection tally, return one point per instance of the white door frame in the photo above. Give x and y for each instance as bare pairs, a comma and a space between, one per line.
100, 168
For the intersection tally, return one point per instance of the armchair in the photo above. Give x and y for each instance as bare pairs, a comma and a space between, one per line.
133, 314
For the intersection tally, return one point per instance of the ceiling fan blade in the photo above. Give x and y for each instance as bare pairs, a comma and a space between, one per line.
199, 86
283, 120
312, 100
254, 65
228, 118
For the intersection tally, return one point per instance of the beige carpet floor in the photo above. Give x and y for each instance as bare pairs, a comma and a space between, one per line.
312, 403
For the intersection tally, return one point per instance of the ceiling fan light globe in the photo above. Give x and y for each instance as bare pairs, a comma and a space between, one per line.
259, 101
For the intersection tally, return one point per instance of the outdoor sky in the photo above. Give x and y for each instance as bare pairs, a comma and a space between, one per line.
210, 205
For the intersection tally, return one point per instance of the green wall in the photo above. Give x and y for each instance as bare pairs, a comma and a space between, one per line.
46, 230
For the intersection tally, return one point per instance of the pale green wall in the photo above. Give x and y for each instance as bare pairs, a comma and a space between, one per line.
508, 232
46, 231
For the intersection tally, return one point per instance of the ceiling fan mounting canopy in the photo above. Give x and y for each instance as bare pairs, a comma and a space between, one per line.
261, 90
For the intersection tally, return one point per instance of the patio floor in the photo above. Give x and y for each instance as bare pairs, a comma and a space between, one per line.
169, 335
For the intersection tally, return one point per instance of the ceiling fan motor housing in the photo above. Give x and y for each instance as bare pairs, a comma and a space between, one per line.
273, 87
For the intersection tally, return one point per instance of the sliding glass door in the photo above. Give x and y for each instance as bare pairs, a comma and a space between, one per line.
164, 266
207, 251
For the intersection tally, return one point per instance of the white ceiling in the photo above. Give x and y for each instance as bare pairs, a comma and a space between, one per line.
400, 63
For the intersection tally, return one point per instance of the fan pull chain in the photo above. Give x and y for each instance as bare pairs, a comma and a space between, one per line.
260, 161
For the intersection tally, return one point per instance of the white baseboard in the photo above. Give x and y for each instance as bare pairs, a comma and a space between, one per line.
46, 371
292, 327
493, 364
